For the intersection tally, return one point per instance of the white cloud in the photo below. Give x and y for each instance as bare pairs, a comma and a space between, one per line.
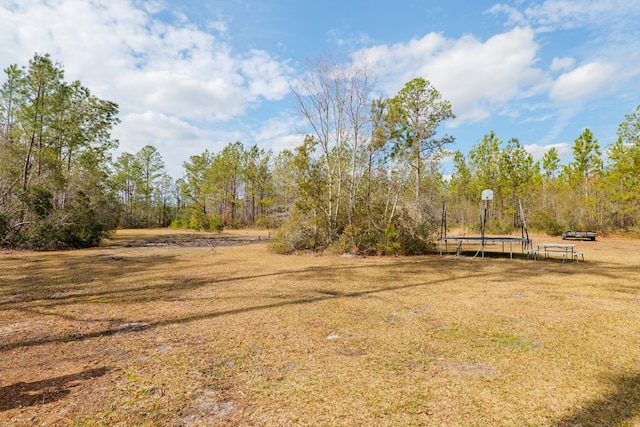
582, 82
143, 128
125, 54
176, 139
183, 88
288, 142
552, 15
561, 64
182, 95
478, 77
153, 6
267, 77
279, 134
514, 16
538, 151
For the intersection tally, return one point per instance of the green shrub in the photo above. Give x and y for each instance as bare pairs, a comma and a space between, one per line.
177, 224
74, 226
289, 241
350, 241
390, 244
297, 235
196, 219
38, 201
215, 224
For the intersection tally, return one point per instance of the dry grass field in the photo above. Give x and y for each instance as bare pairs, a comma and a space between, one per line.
162, 328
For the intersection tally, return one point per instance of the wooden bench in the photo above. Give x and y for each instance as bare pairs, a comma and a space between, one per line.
577, 255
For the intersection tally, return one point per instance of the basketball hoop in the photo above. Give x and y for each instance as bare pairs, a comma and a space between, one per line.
487, 194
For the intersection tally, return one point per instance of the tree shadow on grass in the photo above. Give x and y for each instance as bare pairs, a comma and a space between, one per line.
45, 391
46, 280
314, 296
613, 409
408, 273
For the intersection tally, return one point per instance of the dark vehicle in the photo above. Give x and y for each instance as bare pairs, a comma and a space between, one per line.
579, 235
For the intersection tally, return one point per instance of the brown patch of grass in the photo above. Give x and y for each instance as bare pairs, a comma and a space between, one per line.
156, 328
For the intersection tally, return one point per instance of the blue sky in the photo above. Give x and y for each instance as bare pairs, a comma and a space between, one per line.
195, 75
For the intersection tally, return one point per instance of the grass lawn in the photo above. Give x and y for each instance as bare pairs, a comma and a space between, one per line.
164, 328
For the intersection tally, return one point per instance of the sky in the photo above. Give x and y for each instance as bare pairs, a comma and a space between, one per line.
196, 75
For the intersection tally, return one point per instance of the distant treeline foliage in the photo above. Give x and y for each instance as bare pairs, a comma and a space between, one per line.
369, 177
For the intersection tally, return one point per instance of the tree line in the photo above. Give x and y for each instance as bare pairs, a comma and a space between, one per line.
368, 176
55, 143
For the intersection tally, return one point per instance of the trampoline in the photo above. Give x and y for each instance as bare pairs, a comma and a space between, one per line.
483, 240
524, 242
